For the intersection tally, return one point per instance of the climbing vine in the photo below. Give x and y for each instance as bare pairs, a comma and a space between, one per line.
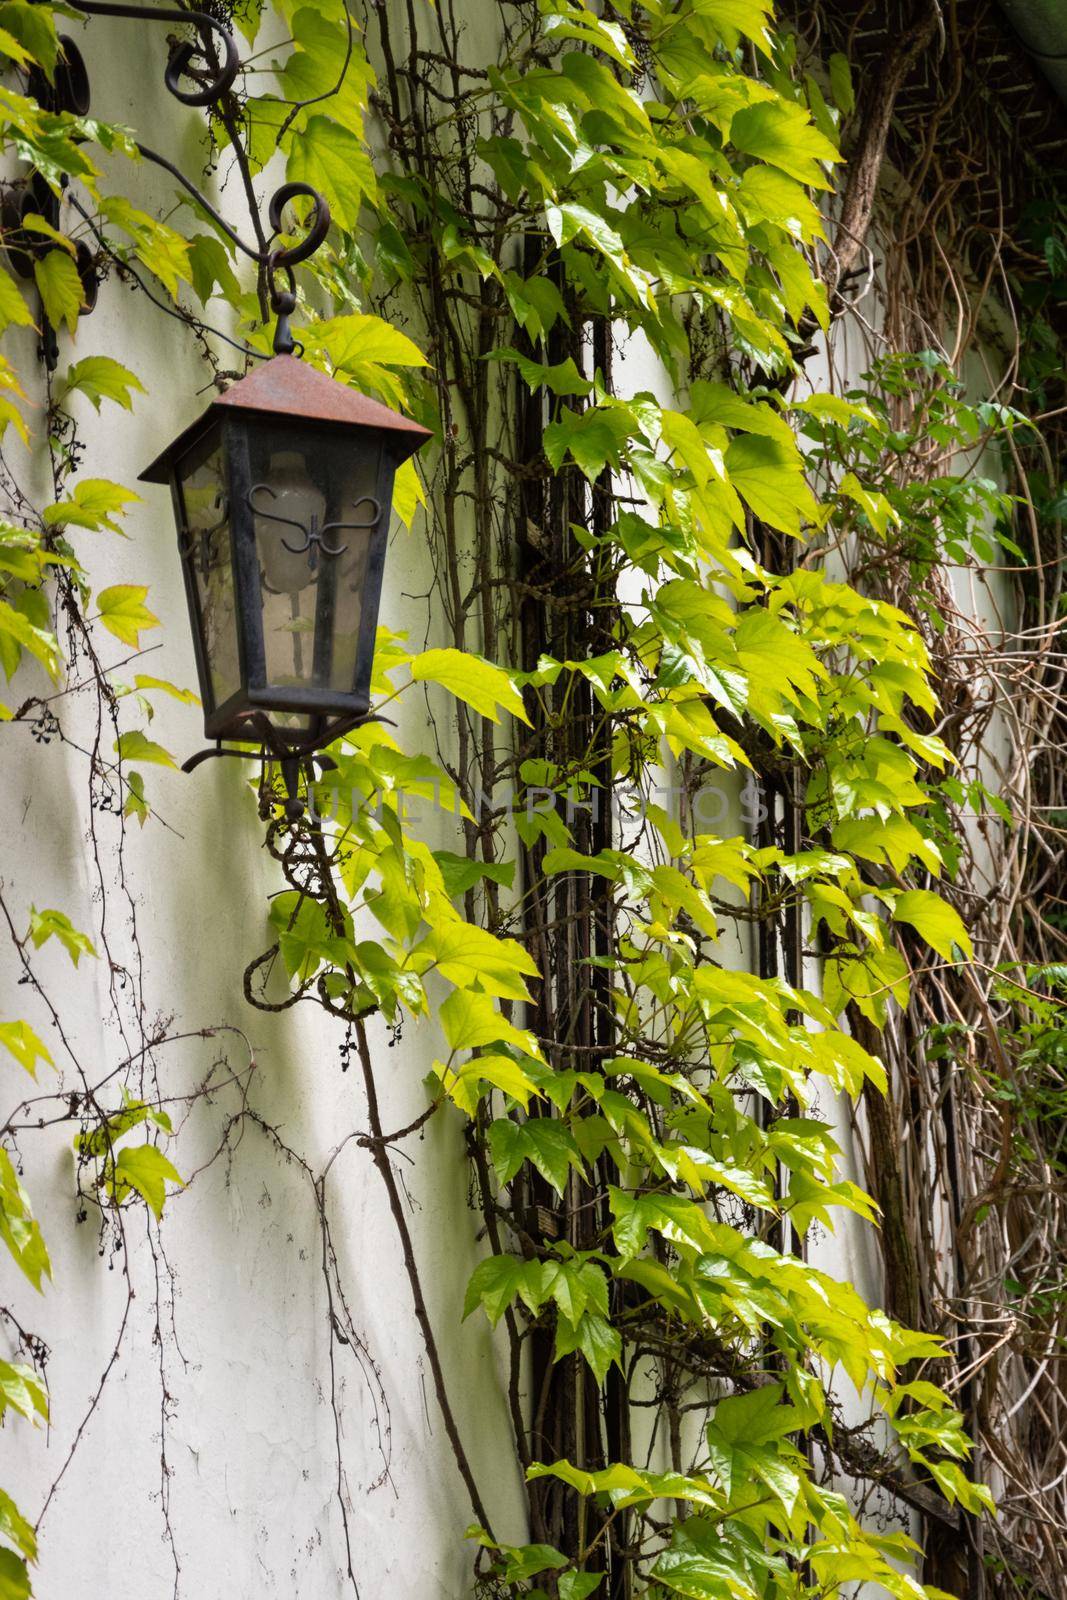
647, 617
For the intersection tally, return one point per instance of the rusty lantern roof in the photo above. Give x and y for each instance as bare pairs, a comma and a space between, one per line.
286, 387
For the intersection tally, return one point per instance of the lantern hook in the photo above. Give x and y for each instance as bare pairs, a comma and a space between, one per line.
283, 304
283, 301
320, 225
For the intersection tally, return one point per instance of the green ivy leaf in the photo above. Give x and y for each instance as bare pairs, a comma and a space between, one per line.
14, 1577
34, 222
135, 746
335, 162
935, 921
45, 925
478, 683
578, 1585
147, 1170
766, 195
561, 379
13, 1526
781, 132
876, 507
305, 936
526, 1561
20, 1232
136, 805
23, 1391
10, 47
494, 1285
593, 438
101, 378
123, 612
13, 307
507, 1149
841, 83
34, 31
211, 267
61, 289
550, 1146
598, 1341
323, 66
460, 873
25, 1045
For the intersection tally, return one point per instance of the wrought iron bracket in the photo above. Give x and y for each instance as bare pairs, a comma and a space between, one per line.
215, 37
289, 755
69, 91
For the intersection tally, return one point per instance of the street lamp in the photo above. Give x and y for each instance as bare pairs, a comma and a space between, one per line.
282, 494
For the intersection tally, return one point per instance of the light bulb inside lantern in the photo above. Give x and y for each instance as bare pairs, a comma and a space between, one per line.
289, 512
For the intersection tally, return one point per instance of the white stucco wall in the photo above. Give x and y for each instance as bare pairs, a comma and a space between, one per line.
235, 1388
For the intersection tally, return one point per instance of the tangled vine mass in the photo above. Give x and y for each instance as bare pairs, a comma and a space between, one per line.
824, 580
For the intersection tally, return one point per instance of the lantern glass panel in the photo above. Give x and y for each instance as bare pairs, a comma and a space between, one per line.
201, 487
316, 503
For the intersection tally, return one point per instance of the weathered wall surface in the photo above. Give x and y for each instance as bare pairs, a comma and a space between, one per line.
198, 1391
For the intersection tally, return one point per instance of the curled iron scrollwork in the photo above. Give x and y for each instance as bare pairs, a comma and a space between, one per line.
315, 536
217, 48
212, 63
319, 228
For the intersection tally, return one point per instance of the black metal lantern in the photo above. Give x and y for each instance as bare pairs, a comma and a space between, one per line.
282, 495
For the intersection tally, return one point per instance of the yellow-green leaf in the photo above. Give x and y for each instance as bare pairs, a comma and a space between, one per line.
33, 30
471, 1020
91, 505
162, 250
13, 307
471, 679
146, 684
337, 164
133, 746
408, 493
356, 340
21, 1233
781, 132
464, 1086
48, 924
769, 476
935, 921
25, 1045
62, 293
146, 1169
100, 378
40, 642
124, 613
